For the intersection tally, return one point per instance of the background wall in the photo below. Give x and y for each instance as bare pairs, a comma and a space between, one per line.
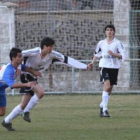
76, 26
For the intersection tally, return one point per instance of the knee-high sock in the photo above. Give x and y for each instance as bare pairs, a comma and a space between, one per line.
101, 104
15, 112
34, 100
105, 99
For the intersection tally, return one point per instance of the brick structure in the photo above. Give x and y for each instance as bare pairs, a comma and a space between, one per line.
121, 21
76, 34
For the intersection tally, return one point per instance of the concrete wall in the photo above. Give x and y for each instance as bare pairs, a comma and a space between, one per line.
7, 30
121, 21
76, 36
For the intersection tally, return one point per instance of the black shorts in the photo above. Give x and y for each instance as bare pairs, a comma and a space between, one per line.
25, 78
109, 74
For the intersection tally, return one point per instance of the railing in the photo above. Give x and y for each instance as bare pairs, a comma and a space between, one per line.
128, 80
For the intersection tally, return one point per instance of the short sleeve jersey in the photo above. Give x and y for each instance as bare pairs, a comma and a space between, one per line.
8, 75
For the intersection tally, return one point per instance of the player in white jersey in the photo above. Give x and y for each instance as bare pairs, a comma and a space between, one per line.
110, 51
8, 73
39, 59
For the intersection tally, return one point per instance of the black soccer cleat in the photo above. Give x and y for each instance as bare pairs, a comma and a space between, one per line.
8, 126
101, 112
26, 117
106, 114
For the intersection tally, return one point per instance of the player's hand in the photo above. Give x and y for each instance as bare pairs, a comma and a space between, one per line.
31, 84
18, 72
37, 73
89, 66
110, 52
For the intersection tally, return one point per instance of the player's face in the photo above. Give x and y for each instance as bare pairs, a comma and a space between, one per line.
18, 59
110, 32
48, 49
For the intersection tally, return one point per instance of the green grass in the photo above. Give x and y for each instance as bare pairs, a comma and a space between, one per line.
76, 117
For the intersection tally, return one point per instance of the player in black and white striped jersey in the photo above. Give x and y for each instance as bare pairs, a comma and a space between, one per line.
110, 51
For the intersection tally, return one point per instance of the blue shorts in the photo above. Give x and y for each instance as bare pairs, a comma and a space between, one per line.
2, 97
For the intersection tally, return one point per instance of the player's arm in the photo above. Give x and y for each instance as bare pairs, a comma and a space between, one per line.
30, 52
29, 84
92, 62
97, 55
27, 69
20, 85
9, 79
119, 56
57, 56
33, 72
121, 52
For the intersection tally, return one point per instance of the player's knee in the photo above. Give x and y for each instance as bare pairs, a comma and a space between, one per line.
41, 94
2, 113
107, 88
22, 106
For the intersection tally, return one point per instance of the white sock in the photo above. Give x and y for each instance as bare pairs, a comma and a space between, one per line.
105, 99
15, 112
33, 101
101, 104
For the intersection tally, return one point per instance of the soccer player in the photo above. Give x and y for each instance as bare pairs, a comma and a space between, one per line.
8, 74
110, 51
39, 59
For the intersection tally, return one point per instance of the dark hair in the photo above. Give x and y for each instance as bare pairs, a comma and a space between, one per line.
47, 41
110, 26
14, 52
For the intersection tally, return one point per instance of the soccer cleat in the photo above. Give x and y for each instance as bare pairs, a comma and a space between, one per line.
101, 112
26, 117
106, 114
8, 126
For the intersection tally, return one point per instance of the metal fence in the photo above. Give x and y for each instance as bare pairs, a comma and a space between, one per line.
76, 81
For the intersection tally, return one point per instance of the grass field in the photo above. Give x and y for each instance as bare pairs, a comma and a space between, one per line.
76, 117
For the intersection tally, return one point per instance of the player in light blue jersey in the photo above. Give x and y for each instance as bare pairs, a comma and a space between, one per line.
40, 59
8, 73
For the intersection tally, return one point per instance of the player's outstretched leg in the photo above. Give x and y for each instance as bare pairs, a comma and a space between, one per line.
8, 126
33, 101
